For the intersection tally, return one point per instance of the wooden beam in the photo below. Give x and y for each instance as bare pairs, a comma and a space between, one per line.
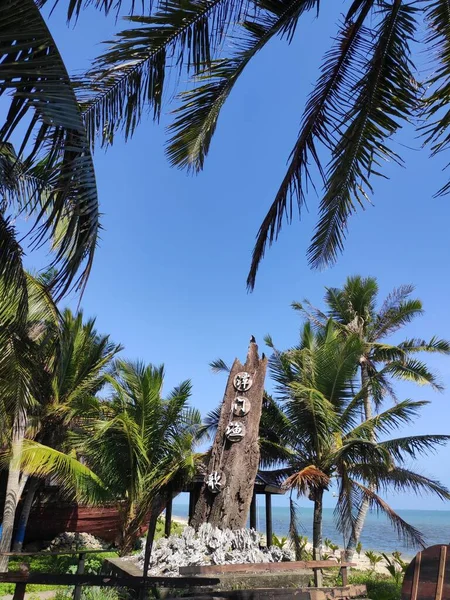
269, 519
261, 567
66, 579
253, 512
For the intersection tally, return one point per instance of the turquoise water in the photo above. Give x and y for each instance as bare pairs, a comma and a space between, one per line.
378, 533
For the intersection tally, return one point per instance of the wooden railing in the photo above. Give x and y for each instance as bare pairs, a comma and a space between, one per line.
139, 584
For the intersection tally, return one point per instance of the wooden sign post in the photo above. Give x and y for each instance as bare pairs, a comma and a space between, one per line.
227, 491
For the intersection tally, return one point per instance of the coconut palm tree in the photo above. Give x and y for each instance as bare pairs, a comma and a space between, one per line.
48, 174
26, 348
315, 383
141, 445
77, 372
356, 311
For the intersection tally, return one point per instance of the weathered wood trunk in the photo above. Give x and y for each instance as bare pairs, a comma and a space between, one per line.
233, 465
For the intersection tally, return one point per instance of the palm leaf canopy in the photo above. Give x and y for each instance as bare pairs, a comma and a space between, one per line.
355, 310
316, 386
368, 88
143, 440
49, 172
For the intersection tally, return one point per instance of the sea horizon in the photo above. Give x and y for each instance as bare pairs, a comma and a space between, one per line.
378, 534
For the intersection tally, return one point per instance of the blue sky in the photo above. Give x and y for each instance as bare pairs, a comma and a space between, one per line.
169, 276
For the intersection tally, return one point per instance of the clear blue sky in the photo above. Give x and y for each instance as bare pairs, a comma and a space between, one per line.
169, 276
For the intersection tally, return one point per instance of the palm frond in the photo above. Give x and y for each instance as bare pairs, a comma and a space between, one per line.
219, 366
74, 477
130, 76
309, 478
435, 130
413, 446
385, 96
13, 281
412, 370
392, 418
435, 344
74, 7
409, 534
65, 204
196, 119
319, 120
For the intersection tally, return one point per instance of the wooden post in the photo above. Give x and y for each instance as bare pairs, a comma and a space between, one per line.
80, 571
269, 519
253, 512
168, 522
344, 573
19, 591
191, 505
227, 492
318, 577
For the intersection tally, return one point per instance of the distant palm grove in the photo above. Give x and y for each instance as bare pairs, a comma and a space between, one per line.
73, 409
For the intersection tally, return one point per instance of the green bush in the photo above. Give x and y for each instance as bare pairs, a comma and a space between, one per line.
379, 587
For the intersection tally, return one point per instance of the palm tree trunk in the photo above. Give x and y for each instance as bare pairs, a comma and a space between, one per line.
14, 488
25, 514
150, 539
362, 513
317, 524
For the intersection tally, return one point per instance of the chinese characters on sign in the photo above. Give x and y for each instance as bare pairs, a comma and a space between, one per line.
243, 381
215, 482
235, 431
241, 406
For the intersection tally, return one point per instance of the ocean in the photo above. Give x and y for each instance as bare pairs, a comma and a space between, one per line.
378, 533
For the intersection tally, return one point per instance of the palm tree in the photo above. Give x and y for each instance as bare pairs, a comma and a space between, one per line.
141, 445
315, 382
354, 310
77, 372
25, 348
366, 90
49, 173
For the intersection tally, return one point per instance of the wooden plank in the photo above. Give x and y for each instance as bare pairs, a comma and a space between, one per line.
335, 593
104, 581
415, 584
441, 573
258, 567
428, 575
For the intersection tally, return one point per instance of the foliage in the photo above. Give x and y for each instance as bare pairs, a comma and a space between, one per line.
359, 548
141, 444
50, 177
176, 528
396, 566
356, 311
329, 544
53, 564
379, 587
315, 382
374, 558
279, 542
366, 90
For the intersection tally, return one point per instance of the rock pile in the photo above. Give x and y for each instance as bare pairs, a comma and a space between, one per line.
71, 541
210, 546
